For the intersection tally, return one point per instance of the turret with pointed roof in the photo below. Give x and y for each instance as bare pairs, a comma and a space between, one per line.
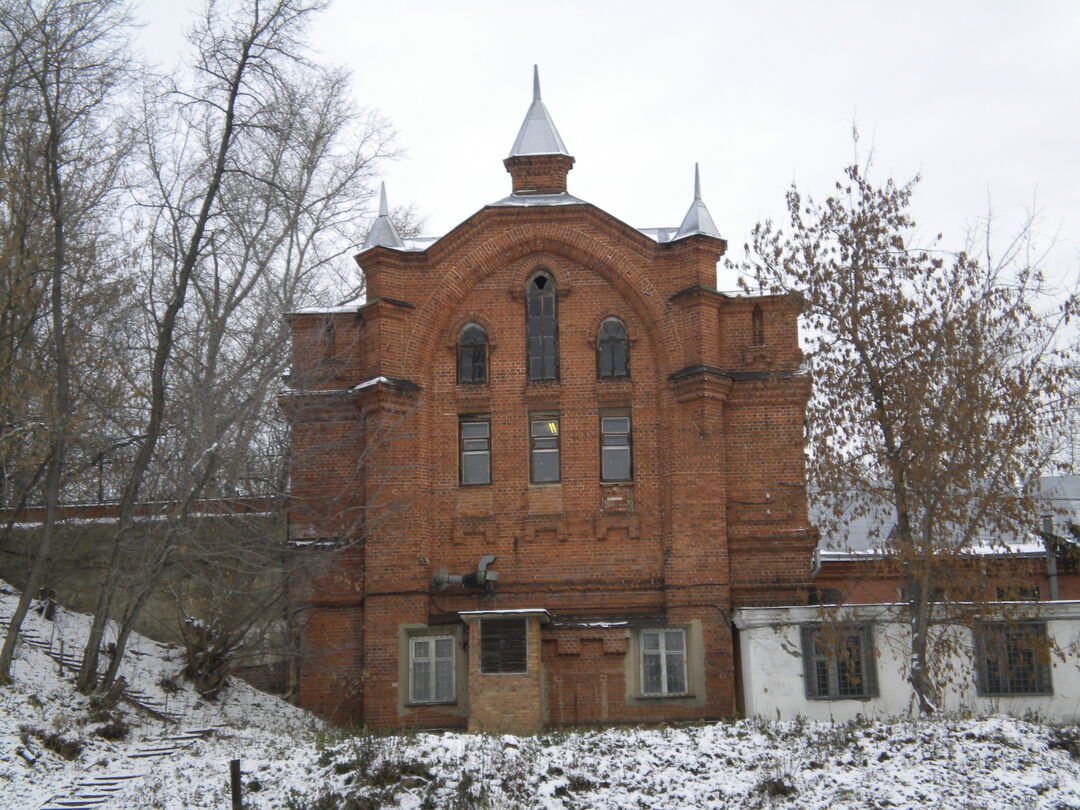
697, 219
538, 161
383, 233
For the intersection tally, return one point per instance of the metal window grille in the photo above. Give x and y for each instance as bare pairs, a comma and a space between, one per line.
472, 354
431, 670
838, 662
612, 350
544, 450
1013, 659
541, 329
503, 646
615, 455
663, 662
475, 438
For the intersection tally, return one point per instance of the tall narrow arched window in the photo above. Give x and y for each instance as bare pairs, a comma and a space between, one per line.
541, 329
472, 354
612, 350
757, 324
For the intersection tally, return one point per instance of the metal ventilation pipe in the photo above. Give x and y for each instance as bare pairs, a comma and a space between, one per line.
482, 577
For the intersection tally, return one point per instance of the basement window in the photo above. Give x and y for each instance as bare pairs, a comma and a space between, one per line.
663, 662
1013, 659
431, 669
838, 662
503, 646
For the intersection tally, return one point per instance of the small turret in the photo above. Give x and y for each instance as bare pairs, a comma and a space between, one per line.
383, 233
538, 161
697, 219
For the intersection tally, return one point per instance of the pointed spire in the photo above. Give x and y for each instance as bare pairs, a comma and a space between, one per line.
383, 233
697, 219
538, 135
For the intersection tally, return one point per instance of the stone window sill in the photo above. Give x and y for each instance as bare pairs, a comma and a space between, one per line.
672, 696
414, 704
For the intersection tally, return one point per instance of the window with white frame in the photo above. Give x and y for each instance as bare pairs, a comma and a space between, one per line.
663, 662
1013, 659
838, 662
431, 669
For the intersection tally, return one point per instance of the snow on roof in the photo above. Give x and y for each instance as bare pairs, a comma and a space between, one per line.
535, 200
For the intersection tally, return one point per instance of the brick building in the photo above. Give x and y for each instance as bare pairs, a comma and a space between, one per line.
534, 473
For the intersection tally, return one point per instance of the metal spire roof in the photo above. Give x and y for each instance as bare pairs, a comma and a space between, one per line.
697, 219
383, 233
538, 135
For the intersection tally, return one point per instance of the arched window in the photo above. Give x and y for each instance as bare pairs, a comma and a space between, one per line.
541, 329
472, 354
612, 350
757, 324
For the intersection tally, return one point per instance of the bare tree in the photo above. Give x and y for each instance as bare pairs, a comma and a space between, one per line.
257, 179
937, 376
61, 154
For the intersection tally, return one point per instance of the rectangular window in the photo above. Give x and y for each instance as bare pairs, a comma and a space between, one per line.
431, 670
838, 662
1013, 659
475, 451
615, 457
503, 645
663, 662
544, 450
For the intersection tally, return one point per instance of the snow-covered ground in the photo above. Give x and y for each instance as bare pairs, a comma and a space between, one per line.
290, 760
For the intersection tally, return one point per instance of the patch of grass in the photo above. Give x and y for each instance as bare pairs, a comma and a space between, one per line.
66, 747
114, 730
1065, 738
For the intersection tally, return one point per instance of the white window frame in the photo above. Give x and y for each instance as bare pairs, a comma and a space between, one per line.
662, 634
432, 659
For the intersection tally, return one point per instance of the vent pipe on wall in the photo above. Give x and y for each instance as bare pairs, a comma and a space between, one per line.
482, 577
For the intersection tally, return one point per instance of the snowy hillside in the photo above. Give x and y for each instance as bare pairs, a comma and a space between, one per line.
55, 748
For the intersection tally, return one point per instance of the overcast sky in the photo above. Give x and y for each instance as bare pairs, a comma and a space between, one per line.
980, 98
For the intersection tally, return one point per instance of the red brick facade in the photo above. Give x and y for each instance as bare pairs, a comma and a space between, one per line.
713, 518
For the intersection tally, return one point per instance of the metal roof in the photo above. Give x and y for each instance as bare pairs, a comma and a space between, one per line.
383, 233
538, 135
697, 219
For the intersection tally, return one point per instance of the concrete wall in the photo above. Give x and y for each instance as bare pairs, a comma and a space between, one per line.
772, 664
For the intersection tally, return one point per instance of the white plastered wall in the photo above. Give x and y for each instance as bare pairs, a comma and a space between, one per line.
772, 666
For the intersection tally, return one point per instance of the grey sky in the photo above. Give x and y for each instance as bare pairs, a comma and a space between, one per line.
981, 98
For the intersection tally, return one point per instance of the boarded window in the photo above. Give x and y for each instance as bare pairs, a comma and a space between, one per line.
541, 329
503, 645
838, 662
1013, 659
431, 670
663, 662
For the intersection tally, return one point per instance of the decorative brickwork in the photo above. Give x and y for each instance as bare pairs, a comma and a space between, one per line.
714, 516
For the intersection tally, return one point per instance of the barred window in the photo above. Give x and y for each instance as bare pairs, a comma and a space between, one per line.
612, 350
1013, 659
472, 354
475, 448
663, 662
503, 646
615, 453
431, 670
541, 329
838, 662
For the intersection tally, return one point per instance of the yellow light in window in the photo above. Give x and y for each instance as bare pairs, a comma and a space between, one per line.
554, 427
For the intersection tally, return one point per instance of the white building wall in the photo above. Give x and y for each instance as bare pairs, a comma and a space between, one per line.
770, 645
